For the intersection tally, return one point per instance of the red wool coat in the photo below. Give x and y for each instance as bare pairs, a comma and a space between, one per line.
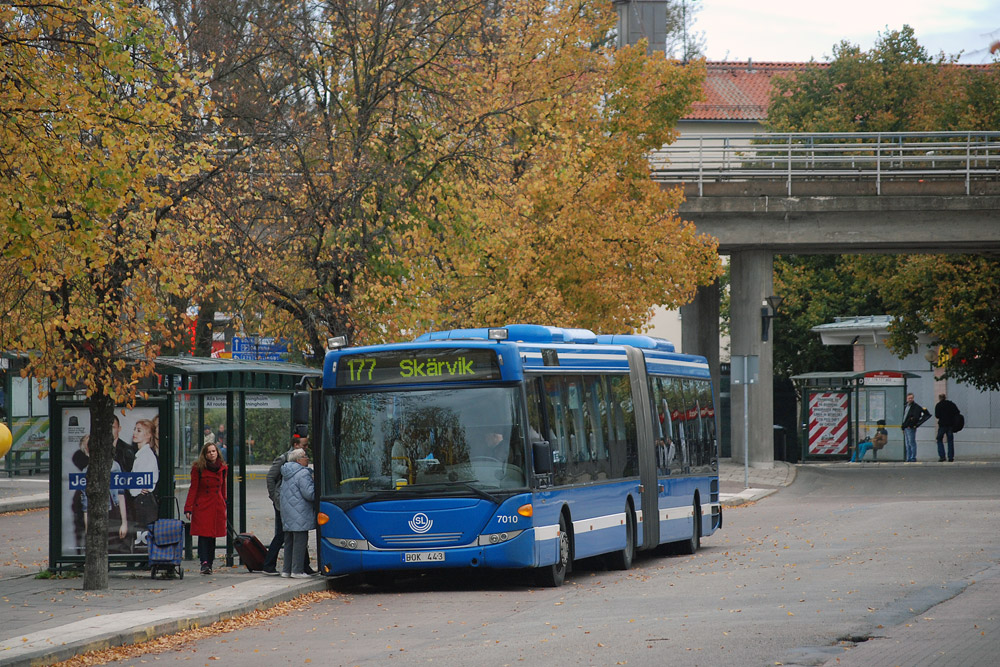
206, 500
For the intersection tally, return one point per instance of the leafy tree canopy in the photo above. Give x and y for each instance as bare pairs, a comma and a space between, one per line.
815, 290
957, 299
91, 110
894, 86
435, 163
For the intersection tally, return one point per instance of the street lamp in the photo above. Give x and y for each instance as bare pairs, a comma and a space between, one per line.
768, 312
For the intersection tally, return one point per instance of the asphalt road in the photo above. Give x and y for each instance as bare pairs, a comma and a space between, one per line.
842, 552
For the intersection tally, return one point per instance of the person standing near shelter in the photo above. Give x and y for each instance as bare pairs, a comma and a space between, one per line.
270, 566
205, 507
297, 514
913, 416
946, 413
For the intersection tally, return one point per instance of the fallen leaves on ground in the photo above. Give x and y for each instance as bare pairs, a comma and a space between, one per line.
191, 635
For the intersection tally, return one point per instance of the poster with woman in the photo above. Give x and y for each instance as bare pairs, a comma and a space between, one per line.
135, 472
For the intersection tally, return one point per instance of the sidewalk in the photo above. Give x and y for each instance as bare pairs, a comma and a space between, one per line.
733, 478
49, 620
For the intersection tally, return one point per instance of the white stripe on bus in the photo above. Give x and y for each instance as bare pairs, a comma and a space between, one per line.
551, 532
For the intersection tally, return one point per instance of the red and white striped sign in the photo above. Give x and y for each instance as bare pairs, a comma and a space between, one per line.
828, 423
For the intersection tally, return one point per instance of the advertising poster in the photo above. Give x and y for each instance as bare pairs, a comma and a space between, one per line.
828, 423
135, 473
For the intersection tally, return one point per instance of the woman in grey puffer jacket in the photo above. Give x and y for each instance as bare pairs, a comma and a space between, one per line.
297, 514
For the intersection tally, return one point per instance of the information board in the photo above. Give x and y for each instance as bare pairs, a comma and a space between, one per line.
417, 367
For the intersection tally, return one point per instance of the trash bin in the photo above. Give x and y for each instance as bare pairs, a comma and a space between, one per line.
779, 443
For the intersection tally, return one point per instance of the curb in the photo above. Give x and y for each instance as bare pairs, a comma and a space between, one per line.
19, 503
744, 497
101, 632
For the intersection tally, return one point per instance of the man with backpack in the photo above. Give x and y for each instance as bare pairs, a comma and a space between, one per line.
274, 493
947, 415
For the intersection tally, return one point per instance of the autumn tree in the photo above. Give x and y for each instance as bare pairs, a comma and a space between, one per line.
815, 290
884, 89
247, 46
93, 161
562, 223
427, 155
957, 299
895, 86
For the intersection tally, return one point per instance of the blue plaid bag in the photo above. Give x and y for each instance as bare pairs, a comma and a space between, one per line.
166, 543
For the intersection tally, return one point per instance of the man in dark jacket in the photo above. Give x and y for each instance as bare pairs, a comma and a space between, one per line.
913, 416
946, 413
273, 492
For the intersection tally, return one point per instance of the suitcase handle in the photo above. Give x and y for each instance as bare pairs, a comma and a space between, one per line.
232, 531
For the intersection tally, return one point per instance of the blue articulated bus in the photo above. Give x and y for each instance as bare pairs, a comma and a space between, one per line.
522, 447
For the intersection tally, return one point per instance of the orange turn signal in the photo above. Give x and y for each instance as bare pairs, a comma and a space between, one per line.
322, 519
526, 510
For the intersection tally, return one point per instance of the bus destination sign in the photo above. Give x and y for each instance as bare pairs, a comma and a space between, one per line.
417, 367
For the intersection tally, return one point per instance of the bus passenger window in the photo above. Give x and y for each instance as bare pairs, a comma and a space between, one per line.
555, 402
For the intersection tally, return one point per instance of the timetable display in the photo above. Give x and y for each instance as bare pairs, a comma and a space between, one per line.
417, 367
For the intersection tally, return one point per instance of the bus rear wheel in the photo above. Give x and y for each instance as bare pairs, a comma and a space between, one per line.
622, 560
553, 576
690, 546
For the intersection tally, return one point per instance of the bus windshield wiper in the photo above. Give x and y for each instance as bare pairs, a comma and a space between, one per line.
466, 484
367, 498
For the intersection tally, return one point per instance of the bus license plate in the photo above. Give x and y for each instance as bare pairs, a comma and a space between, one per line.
423, 557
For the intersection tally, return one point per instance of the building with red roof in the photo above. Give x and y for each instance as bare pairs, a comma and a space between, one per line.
737, 95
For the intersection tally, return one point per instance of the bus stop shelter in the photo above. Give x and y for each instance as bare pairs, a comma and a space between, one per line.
26, 415
838, 409
250, 409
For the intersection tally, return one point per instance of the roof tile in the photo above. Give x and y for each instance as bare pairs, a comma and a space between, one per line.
740, 90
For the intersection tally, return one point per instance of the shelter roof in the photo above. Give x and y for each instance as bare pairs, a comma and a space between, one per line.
848, 330
848, 377
207, 373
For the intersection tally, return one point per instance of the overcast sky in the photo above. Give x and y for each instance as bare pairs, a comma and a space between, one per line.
797, 30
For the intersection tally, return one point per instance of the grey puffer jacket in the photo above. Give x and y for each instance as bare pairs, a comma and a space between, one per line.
297, 493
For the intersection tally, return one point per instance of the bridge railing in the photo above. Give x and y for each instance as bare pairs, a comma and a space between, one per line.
872, 156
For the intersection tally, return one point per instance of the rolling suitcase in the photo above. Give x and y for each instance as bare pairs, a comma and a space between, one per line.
252, 552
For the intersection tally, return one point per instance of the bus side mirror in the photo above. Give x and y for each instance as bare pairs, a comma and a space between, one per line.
300, 413
541, 454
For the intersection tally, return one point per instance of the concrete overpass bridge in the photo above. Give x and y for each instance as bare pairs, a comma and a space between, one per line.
762, 194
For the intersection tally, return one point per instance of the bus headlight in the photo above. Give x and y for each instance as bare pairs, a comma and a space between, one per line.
349, 543
498, 538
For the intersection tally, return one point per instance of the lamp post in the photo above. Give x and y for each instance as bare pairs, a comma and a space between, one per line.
768, 311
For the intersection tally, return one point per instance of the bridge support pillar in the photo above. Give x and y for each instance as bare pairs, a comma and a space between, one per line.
700, 328
752, 281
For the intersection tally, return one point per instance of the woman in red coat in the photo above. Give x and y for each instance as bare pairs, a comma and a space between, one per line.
206, 503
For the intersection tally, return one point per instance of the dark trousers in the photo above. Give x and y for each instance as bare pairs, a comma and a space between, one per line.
206, 550
942, 432
278, 541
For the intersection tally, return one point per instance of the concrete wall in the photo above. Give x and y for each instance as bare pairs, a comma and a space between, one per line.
665, 323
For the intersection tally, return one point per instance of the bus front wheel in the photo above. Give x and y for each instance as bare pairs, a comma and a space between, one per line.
553, 576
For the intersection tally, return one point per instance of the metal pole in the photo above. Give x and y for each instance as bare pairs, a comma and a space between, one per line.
746, 422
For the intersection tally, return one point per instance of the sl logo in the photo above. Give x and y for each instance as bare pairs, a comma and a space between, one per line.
420, 523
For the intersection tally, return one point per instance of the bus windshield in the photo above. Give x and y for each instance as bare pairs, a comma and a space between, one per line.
388, 444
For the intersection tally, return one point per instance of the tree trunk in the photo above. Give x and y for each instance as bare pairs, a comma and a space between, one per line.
102, 449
